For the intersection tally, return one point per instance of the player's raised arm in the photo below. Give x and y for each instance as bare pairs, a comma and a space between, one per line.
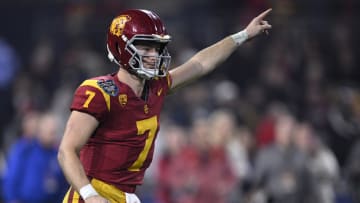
207, 59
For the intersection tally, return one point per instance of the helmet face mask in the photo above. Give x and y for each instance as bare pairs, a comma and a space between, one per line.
136, 61
134, 27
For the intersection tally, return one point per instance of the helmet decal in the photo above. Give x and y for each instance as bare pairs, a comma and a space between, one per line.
118, 24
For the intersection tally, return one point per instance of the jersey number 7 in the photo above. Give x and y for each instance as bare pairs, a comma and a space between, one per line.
149, 125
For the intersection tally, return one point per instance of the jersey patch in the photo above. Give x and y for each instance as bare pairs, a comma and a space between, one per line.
109, 87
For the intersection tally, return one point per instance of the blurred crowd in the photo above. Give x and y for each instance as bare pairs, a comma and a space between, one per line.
278, 122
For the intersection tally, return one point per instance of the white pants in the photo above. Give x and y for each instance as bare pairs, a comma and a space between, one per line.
131, 198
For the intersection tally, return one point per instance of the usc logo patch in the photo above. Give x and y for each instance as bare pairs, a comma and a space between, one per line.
118, 24
122, 99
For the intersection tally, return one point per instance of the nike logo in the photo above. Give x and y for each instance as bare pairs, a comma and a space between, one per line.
159, 92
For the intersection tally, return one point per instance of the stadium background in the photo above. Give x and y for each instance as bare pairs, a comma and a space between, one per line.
308, 65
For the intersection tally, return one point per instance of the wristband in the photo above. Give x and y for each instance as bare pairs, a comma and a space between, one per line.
240, 37
87, 191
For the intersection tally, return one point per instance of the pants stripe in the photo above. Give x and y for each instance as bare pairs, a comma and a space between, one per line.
72, 197
66, 198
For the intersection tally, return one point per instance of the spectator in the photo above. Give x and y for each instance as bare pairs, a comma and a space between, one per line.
280, 170
321, 162
34, 175
17, 158
207, 176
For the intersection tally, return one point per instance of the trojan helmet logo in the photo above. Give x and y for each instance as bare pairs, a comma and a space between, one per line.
123, 99
118, 24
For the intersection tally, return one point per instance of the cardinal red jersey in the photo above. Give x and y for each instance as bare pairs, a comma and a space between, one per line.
122, 146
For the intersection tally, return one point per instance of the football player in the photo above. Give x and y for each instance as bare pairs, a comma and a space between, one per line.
108, 141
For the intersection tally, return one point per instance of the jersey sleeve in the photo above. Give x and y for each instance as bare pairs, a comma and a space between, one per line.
90, 99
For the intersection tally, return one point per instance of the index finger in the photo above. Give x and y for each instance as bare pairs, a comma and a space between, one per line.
264, 14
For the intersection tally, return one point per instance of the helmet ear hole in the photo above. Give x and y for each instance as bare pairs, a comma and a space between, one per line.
134, 63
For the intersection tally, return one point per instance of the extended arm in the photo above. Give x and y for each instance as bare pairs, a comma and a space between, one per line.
209, 58
78, 130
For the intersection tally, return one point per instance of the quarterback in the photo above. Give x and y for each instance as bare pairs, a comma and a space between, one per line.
108, 141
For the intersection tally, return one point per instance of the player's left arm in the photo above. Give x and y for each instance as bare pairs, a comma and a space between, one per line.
209, 58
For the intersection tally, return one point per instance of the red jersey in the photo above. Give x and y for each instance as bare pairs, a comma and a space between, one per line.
122, 146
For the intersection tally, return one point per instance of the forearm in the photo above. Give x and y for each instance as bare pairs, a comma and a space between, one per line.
203, 62
72, 169
210, 57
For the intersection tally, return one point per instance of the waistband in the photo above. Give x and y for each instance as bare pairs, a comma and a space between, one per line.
124, 188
